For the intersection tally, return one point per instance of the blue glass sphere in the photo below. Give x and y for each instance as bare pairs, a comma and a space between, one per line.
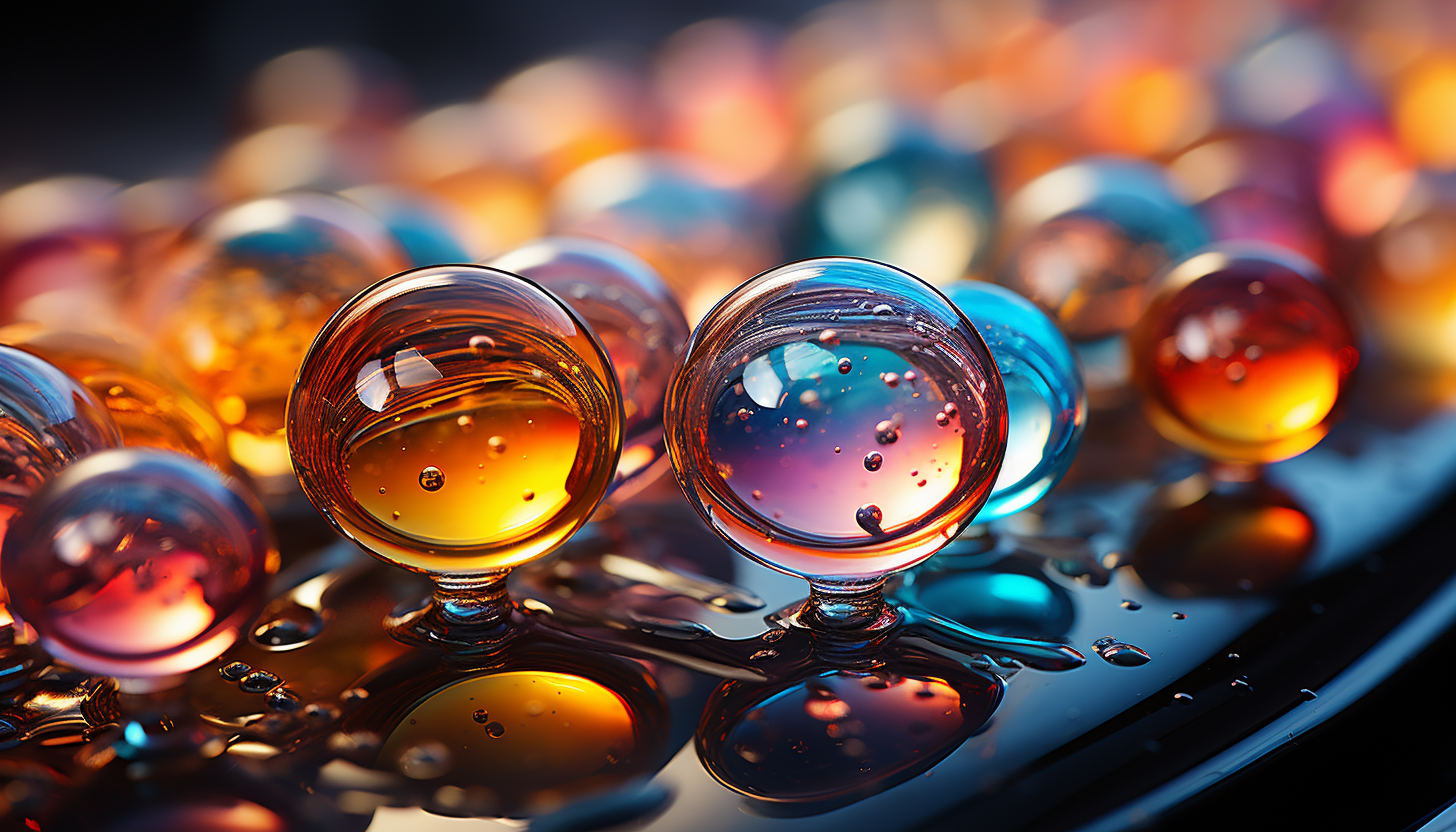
1086, 240
924, 207
1046, 401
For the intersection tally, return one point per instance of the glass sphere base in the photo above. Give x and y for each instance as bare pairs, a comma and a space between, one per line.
466, 615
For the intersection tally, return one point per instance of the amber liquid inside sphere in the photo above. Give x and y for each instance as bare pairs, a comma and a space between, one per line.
456, 420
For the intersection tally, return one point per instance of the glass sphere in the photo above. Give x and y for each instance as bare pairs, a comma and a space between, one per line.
1087, 238
631, 310
456, 420
150, 406
1243, 354
427, 227
1408, 284
1046, 401
138, 563
837, 419
47, 422
245, 293
915, 203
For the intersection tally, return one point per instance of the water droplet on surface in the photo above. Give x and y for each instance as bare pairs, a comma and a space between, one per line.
743, 414
887, 431
481, 716
801, 424
1129, 604
890, 379
869, 517
873, 460
1183, 698
1178, 616
466, 423
233, 671
495, 730
845, 365
496, 444
829, 338
1115, 652
528, 495
942, 419
432, 479
764, 654
757, 495
259, 681
883, 309
283, 699
481, 342
382, 490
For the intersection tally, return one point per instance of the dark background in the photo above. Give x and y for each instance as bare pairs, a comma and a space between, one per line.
134, 91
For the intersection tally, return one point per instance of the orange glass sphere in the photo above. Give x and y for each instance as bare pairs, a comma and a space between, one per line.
1243, 354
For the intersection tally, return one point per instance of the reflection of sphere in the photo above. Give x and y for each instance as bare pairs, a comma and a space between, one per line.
840, 734
1243, 354
244, 295
1046, 403
1013, 598
917, 205
837, 419
47, 422
1087, 238
1409, 286
539, 728
626, 303
150, 406
1250, 538
456, 420
138, 563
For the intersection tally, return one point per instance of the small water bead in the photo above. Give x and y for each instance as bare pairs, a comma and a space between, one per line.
258, 681
466, 423
818, 507
1117, 653
1178, 616
869, 516
480, 343
481, 716
845, 365
873, 460
495, 730
1208, 312
381, 387
1129, 604
942, 418
1046, 400
829, 338
432, 479
801, 424
890, 379
1183, 698
630, 308
138, 563
233, 671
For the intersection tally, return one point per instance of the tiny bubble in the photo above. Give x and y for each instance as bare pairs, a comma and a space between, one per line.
873, 460
845, 365
528, 495
481, 716
1178, 616
432, 479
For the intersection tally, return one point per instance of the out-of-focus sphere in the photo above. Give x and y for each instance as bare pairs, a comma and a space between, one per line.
138, 563
150, 406
1408, 285
1086, 239
1243, 354
914, 203
244, 295
456, 420
427, 228
1046, 401
837, 419
61, 277
631, 310
47, 422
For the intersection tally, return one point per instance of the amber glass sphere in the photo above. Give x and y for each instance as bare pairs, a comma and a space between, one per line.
1243, 354
243, 296
456, 420
138, 563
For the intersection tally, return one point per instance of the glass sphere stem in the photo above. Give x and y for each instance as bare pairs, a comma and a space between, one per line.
158, 722
846, 605
477, 600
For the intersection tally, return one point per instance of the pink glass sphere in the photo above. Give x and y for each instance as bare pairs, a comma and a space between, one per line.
138, 563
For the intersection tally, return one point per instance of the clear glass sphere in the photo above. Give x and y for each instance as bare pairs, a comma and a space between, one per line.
47, 422
837, 419
632, 311
138, 563
243, 296
456, 420
1046, 401
1087, 239
1244, 354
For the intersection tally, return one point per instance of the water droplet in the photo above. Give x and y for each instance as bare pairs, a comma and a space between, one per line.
910, 375
890, 379
757, 495
1115, 652
497, 445
1308, 695
425, 761
873, 460
466, 423
1242, 685
259, 681
528, 495
801, 424
887, 432
743, 414
1178, 616
354, 695
495, 730
883, 309
481, 342
1234, 372
381, 489
773, 635
942, 419
764, 654
432, 479
1129, 604
869, 517
845, 365
395, 515
283, 699
481, 716
1183, 698
837, 449
297, 627
829, 338
234, 671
